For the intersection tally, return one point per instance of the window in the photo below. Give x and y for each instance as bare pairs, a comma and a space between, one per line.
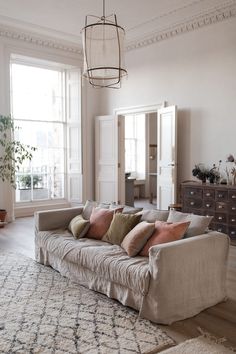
135, 145
38, 101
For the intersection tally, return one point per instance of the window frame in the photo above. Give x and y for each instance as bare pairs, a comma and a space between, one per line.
63, 68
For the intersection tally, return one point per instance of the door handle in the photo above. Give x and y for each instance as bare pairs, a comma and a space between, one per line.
171, 164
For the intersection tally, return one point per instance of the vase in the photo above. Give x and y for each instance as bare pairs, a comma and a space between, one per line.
3, 215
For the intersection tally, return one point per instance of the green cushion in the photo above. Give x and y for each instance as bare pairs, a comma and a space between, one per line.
79, 226
120, 226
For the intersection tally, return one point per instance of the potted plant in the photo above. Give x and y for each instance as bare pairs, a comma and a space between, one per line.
12, 154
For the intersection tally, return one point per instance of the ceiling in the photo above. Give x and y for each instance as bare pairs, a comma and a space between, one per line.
63, 19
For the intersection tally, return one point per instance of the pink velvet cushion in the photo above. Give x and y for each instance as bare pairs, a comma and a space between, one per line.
100, 221
137, 238
165, 232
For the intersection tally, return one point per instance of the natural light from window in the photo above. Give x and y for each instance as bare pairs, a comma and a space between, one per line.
135, 152
37, 99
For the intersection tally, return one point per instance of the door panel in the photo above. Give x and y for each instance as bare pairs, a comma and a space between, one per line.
166, 157
106, 159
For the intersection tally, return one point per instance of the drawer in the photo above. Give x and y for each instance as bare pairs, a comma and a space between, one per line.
232, 208
232, 232
220, 228
221, 217
208, 193
192, 211
193, 203
221, 195
222, 207
209, 213
232, 195
193, 192
209, 204
232, 219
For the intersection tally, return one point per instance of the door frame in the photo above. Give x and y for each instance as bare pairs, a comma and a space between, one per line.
120, 113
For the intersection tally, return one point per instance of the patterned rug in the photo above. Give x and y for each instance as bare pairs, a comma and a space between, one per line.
42, 312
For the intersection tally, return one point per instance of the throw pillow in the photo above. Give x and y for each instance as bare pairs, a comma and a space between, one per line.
120, 226
88, 208
154, 215
79, 226
100, 221
177, 216
198, 223
135, 240
165, 232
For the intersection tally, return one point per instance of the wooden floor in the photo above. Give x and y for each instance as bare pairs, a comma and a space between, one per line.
219, 320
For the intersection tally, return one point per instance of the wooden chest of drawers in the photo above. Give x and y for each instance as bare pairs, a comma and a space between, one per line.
214, 200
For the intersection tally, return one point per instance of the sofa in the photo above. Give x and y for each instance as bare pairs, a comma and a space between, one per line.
176, 281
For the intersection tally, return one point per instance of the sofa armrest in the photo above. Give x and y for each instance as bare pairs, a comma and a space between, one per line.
55, 219
188, 275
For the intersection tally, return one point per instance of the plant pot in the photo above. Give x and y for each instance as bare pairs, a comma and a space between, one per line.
3, 215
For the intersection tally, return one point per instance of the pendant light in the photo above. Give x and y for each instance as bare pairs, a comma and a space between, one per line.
103, 46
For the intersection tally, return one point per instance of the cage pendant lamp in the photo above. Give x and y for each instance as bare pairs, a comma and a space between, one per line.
103, 47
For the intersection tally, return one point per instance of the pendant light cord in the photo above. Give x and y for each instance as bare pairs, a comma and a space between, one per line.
103, 16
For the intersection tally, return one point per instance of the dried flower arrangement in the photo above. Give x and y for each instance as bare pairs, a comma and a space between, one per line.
231, 169
203, 173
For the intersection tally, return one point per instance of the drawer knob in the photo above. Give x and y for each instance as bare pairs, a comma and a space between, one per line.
233, 208
220, 195
192, 192
208, 194
208, 205
232, 233
219, 230
220, 218
233, 220
192, 203
233, 196
220, 207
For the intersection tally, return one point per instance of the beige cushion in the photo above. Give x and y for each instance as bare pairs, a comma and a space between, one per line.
88, 208
177, 216
100, 221
79, 226
120, 226
153, 215
198, 223
135, 240
165, 232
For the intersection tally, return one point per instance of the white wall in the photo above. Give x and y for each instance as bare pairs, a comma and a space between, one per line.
195, 71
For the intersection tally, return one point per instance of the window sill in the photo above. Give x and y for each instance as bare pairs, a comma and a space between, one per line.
28, 209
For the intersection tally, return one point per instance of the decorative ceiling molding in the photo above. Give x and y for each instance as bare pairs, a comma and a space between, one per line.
217, 14
196, 22
43, 41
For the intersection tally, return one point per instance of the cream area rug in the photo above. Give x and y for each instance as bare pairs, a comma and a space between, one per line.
42, 312
199, 345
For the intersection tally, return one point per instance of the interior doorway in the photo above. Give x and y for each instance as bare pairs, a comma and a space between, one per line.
140, 154
110, 169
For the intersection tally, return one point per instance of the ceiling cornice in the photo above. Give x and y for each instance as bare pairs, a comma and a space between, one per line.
215, 15
37, 39
196, 22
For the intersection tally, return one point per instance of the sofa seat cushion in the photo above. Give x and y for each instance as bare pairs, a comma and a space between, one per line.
107, 261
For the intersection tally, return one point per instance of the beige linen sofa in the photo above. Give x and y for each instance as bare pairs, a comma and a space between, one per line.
177, 281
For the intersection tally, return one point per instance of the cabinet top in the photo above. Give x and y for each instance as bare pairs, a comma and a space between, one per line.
207, 185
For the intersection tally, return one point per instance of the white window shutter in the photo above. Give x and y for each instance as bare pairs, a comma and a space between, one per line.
74, 136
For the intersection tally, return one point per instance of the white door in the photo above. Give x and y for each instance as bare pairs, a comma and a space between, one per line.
166, 157
106, 158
